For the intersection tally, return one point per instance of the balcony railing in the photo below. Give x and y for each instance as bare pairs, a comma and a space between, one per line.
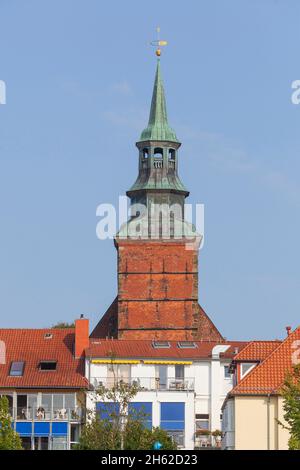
40, 413
147, 383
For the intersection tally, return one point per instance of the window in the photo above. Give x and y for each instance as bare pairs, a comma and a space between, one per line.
58, 401
108, 411
177, 437
202, 421
48, 336
158, 153
179, 372
186, 345
48, 365
246, 367
59, 443
160, 344
172, 416
172, 154
46, 402
118, 372
161, 373
17, 368
70, 401
142, 411
227, 373
145, 153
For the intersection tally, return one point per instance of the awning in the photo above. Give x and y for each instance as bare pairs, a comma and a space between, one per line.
184, 363
115, 361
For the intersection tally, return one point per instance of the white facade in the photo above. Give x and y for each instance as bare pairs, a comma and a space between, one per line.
202, 390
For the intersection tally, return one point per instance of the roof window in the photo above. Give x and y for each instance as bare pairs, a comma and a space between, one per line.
160, 344
17, 368
47, 365
186, 345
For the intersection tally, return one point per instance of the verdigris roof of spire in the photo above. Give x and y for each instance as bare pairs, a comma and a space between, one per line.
158, 127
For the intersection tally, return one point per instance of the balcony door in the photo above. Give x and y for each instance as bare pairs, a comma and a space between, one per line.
117, 372
162, 376
26, 406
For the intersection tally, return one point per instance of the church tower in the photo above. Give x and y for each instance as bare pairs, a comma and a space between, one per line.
157, 248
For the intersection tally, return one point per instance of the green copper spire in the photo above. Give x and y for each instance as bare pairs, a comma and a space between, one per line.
158, 127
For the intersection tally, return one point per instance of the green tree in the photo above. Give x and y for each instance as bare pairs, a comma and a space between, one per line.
115, 428
9, 439
62, 325
291, 405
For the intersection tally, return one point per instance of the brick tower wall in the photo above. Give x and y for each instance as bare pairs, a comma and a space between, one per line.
157, 290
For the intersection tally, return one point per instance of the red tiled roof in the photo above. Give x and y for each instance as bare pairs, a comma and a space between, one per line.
256, 350
269, 375
144, 349
32, 347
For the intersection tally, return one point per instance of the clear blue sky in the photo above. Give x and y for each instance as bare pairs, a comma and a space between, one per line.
79, 77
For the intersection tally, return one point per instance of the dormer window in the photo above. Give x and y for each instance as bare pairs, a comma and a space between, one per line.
47, 365
246, 367
17, 369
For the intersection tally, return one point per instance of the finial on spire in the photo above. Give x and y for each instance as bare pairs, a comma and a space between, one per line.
158, 43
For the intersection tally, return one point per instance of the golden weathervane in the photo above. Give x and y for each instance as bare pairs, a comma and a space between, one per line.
158, 43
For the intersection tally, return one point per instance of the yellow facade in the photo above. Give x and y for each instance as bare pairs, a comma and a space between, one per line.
256, 423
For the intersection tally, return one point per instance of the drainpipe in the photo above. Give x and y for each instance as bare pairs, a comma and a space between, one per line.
268, 420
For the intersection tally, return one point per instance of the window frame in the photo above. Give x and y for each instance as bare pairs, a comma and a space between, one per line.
41, 369
18, 374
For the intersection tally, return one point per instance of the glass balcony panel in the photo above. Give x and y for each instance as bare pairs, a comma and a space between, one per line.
148, 383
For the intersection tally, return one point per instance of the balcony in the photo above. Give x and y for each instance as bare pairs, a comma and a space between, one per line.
43, 414
147, 384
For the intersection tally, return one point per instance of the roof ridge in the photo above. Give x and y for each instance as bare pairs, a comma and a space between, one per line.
36, 329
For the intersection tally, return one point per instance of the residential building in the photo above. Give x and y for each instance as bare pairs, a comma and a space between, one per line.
42, 375
182, 383
253, 410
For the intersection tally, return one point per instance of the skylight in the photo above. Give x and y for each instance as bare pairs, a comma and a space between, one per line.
48, 365
160, 344
17, 368
186, 345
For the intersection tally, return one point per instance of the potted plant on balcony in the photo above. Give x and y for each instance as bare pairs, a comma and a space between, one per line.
217, 435
203, 432
202, 436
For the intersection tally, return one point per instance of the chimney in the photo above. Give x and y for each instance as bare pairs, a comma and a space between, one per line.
82, 340
288, 330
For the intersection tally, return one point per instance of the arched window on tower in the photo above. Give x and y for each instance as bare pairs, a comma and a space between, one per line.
172, 154
158, 157
158, 153
145, 153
